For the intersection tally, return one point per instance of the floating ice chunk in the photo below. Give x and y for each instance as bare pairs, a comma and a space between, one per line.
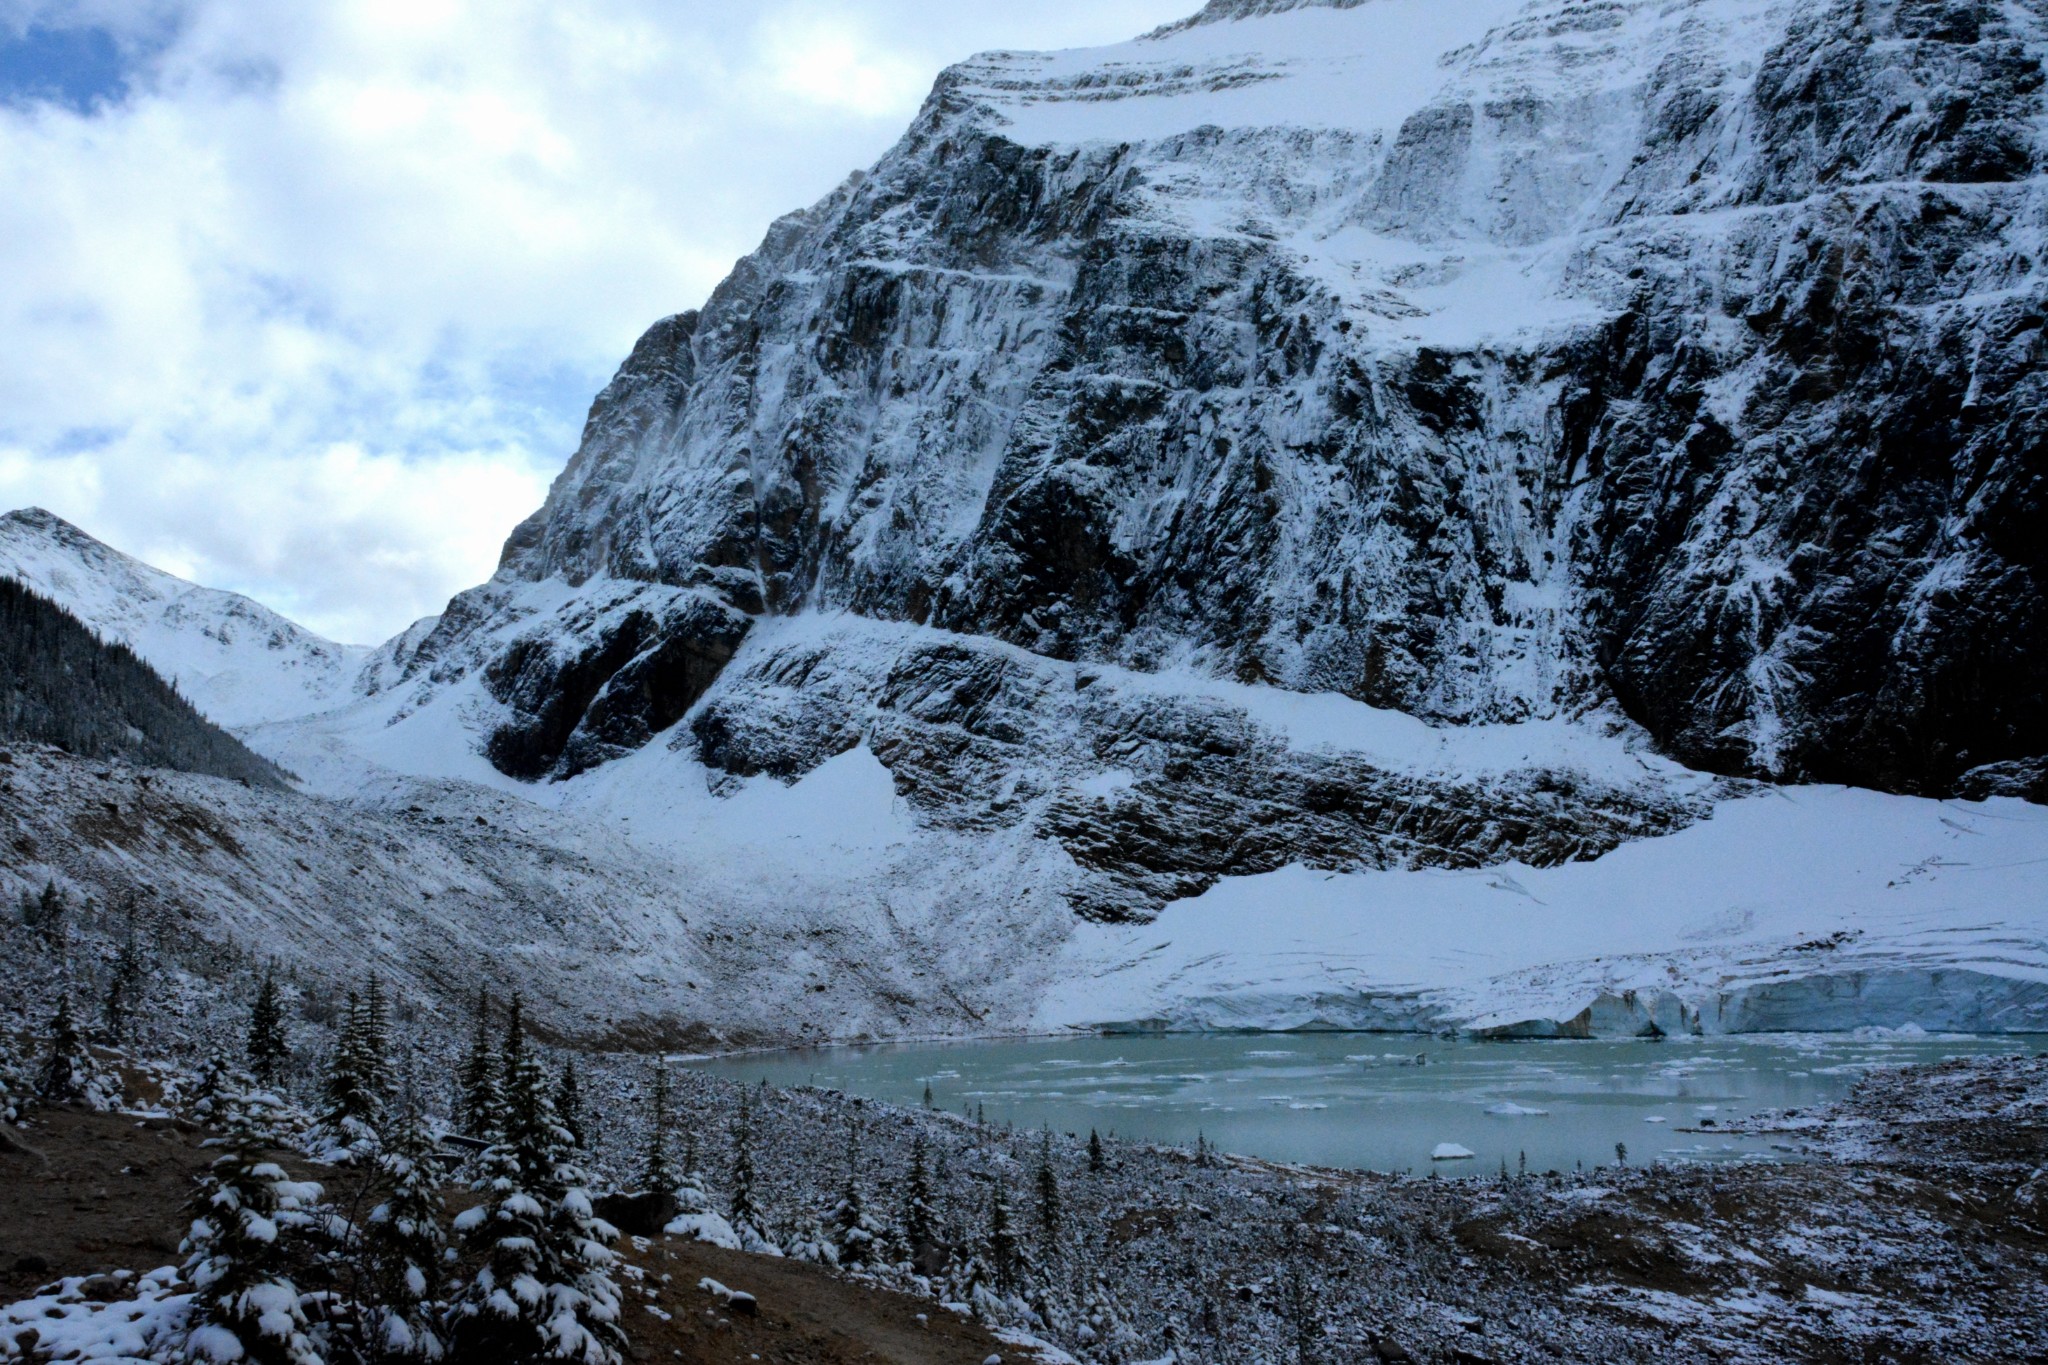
1451, 1151
1508, 1109
1654, 1118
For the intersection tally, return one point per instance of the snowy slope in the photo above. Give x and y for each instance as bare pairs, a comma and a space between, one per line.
1785, 908
1804, 908
238, 662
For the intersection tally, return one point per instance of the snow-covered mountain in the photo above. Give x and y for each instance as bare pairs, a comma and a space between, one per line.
1327, 513
238, 662
1482, 361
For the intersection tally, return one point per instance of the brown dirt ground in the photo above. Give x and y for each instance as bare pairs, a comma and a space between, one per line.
83, 1193
807, 1315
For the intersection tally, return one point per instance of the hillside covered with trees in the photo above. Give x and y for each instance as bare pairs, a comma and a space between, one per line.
61, 684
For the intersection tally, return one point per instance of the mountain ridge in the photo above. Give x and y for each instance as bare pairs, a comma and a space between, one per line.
235, 659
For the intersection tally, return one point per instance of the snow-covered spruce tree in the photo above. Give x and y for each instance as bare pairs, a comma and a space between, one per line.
376, 1041
1096, 1164
70, 1074
855, 1235
920, 1210
694, 1215
1102, 1325
479, 1111
14, 1096
1299, 1305
351, 1107
657, 1174
247, 1216
268, 1048
47, 916
1046, 1184
402, 1246
745, 1210
213, 1097
1005, 1251
125, 987
546, 1289
569, 1105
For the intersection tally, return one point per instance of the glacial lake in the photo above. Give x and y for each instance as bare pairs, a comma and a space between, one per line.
1380, 1101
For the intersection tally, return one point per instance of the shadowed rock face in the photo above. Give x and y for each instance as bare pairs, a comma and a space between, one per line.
1743, 437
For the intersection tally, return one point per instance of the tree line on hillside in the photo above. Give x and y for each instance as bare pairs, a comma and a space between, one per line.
62, 684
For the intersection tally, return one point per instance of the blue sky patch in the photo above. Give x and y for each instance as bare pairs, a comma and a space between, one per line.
78, 68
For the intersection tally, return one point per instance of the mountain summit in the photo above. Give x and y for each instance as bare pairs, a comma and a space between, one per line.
1484, 362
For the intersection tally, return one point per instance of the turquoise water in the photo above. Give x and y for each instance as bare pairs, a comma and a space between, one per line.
1378, 1101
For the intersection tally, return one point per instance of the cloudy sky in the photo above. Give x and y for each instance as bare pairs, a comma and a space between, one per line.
308, 299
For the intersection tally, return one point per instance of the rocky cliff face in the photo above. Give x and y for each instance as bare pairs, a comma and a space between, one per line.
1673, 365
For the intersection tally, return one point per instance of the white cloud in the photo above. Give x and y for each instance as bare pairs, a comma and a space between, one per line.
314, 312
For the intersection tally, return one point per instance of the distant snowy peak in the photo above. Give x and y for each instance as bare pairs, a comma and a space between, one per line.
237, 661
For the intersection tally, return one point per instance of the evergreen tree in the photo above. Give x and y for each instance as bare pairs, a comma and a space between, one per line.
569, 1104
68, 1072
47, 919
546, 1289
403, 1245
691, 1199
14, 1096
124, 988
480, 1111
375, 1029
247, 1216
1005, 1255
746, 1213
1102, 1321
920, 1210
1095, 1160
854, 1233
219, 1091
352, 1106
1048, 1191
1303, 1321
657, 1176
268, 1048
